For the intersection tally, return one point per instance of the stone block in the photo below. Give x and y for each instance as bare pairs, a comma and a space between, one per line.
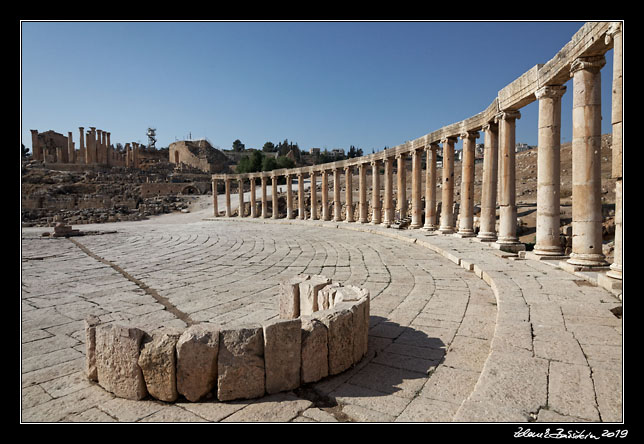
289, 300
90, 347
339, 323
158, 361
282, 354
117, 355
326, 295
350, 293
241, 363
197, 351
309, 293
315, 350
360, 328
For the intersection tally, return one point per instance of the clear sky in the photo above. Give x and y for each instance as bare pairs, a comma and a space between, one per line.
320, 84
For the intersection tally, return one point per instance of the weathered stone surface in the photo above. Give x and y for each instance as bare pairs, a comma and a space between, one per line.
241, 363
197, 351
326, 295
350, 293
290, 296
158, 361
282, 354
360, 328
117, 354
339, 323
90, 347
309, 293
315, 350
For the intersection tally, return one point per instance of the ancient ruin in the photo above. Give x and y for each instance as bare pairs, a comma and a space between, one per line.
582, 59
322, 330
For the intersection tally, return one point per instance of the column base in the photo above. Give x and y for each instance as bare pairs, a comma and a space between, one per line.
510, 247
465, 233
587, 260
572, 268
540, 257
609, 283
548, 251
429, 227
446, 230
486, 237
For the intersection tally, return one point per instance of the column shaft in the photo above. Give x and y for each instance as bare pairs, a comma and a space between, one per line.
586, 162
215, 207
253, 198
416, 189
466, 213
430, 187
348, 183
314, 195
337, 205
375, 190
447, 191
487, 229
389, 195
264, 198
274, 205
326, 215
229, 212
401, 178
507, 235
362, 184
242, 205
289, 197
301, 210
548, 242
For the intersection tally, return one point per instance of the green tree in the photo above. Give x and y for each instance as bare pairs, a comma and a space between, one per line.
269, 163
285, 162
268, 147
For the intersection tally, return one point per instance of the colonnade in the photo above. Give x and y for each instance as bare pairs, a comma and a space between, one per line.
581, 60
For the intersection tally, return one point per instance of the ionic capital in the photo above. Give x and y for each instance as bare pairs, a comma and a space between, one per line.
470, 135
509, 114
592, 64
550, 92
490, 126
449, 139
615, 28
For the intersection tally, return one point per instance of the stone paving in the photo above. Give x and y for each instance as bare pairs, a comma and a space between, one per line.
457, 331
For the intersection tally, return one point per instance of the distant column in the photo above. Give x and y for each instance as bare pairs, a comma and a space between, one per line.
229, 211
70, 148
99, 146
81, 148
389, 196
240, 191
301, 209
447, 202
586, 162
466, 218
430, 187
507, 236
487, 229
253, 198
348, 194
616, 34
108, 148
337, 203
91, 145
362, 183
215, 206
375, 190
264, 197
289, 196
416, 189
548, 242
401, 177
314, 195
326, 215
274, 193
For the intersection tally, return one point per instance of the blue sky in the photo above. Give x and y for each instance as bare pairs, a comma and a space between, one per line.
320, 84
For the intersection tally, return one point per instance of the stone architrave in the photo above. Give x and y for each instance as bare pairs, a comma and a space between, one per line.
90, 347
158, 362
290, 296
197, 352
339, 323
241, 371
309, 293
282, 354
315, 350
117, 355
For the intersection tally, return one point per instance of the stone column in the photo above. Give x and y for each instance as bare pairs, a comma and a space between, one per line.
401, 178
326, 215
264, 198
416, 189
91, 145
337, 204
229, 211
289, 196
128, 154
253, 198
99, 146
430, 187
36, 149
274, 194
348, 179
215, 206
314, 195
586, 162
81, 148
548, 241
615, 33
108, 148
70, 148
301, 209
362, 184
487, 229
375, 189
447, 191
507, 237
240, 191
466, 217
389, 188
